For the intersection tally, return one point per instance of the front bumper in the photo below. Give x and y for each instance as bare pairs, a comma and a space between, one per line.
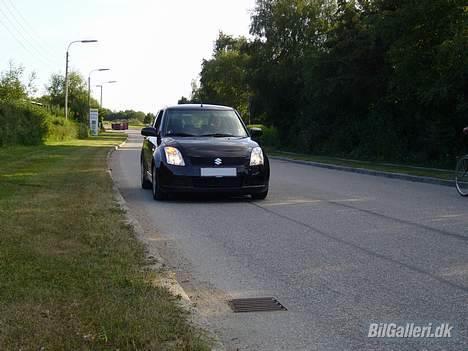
249, 180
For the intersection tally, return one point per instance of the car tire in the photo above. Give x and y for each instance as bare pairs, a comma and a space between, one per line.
158, 195
260, 196
145, 183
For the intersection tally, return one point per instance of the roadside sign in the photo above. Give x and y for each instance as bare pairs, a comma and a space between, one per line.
94, 121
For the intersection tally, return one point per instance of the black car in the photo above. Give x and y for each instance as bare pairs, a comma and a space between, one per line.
202, 148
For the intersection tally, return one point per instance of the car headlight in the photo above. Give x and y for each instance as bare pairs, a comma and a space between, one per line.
256, 156
173, 156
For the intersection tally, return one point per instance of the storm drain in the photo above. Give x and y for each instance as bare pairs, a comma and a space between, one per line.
256, 304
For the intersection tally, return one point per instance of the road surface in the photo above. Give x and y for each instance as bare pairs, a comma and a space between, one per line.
338, 250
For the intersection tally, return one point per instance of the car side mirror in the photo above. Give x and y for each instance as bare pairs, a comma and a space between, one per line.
149, 132
255, 132
158, 137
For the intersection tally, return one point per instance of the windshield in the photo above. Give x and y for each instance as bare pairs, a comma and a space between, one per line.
199, 123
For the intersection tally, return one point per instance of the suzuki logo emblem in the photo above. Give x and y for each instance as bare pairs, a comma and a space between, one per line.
218, 161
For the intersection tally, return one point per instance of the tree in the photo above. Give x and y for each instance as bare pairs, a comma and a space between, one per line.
11, 86
377, 79
136, 115
127, 115
103, 112
149, 118
428, 82
223, 78
285, 30
77, 94
183, 100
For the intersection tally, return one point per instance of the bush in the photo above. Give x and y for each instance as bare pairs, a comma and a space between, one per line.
83, 131
26, 124
270, 136
21, 123
59, 129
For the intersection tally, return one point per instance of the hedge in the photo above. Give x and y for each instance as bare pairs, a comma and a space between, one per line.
22, 123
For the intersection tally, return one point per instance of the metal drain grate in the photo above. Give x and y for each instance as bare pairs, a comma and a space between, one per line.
256, 304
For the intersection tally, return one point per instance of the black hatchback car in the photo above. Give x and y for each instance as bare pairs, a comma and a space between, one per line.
202, 148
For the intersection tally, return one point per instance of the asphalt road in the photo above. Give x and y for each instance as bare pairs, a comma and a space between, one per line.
339, 250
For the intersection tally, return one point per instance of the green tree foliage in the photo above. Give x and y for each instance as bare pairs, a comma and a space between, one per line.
127, 115
149, 118
428, 83
77, 95
103, 112
285, 31
184, 100
22, 123
11, 85
224, 77
28, 124
137, 116
380, 79
28, 120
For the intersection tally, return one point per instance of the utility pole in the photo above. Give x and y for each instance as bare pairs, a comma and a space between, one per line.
101, 86
89, 83
66, 84
66, 70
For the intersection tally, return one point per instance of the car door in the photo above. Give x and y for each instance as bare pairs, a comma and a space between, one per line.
150, 143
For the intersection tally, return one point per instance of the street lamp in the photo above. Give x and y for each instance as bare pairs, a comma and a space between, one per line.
89, 82
66, 70
101, 85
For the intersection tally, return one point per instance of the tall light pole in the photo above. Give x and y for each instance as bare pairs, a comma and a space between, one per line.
66, 70
101, 85
89, 82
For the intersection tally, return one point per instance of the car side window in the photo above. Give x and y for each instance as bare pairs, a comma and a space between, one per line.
157, 122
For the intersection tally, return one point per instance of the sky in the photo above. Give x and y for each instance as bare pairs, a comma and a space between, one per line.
154, 48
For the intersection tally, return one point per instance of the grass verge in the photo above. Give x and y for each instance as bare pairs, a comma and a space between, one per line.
375, 166
72, 274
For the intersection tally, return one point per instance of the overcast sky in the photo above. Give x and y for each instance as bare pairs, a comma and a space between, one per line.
153, 47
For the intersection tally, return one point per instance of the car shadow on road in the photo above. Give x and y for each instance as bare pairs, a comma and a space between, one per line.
210, 198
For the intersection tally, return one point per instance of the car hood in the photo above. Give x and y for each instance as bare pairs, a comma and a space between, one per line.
212, 147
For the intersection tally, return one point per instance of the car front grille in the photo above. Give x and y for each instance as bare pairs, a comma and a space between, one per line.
215, 182
210, 161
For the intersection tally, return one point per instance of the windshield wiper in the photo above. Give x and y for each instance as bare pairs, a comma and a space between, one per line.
218, 135
180, 134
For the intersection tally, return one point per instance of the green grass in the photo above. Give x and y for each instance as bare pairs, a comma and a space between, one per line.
60, 129
72, 274
136, 127
376, 166
136, 123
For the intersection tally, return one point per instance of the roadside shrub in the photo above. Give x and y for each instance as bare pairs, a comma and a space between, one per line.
270, 135
83, 131
26, 124
21, 123
60, 129
55, 110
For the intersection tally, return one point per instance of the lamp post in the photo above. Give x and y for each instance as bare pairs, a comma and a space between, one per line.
66, 70
89, 82
101, 85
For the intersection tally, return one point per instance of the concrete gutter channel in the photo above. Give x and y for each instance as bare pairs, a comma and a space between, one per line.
168, 280
402, 176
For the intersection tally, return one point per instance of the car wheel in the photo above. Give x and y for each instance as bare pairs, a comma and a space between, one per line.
260, 196
145, 183
157, 193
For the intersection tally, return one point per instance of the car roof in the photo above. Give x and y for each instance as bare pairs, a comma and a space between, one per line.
199, 107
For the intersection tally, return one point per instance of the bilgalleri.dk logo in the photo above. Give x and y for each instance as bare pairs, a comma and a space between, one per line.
410, 330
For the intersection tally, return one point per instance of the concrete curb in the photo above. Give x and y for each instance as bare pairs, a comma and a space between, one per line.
120, 145
166, 279
401, 176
